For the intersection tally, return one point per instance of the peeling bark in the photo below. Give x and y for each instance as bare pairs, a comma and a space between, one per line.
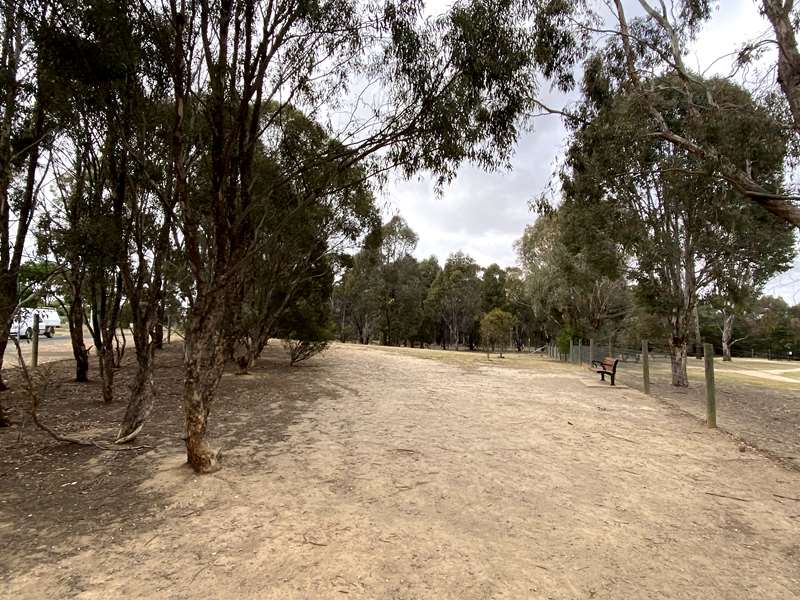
698, 339
204, 363
79, 351
727, 333
142, 398
779, 14
678, 359
106, 359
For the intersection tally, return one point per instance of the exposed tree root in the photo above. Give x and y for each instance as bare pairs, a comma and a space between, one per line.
32, 391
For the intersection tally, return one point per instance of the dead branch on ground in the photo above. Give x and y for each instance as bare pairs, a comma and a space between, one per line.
32, 390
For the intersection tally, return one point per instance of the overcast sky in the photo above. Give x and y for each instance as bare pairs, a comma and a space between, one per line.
483, 213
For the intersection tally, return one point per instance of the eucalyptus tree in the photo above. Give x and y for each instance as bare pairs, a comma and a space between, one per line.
520, 306
400, 292
497, 328
757, 251
571, 284
305, 223
59, 234
358, 295
672, 214
306, 326
110, 222
455, 296
657, 43
25, 96
493, 288
454, 88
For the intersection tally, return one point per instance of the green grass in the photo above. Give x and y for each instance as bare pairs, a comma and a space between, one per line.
475, 360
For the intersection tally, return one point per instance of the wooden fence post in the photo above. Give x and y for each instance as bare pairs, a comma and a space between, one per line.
646, 366
591, 350
711, 400
580, 351
35, 341
571, 357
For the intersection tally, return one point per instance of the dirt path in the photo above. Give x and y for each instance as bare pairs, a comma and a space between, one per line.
378, 474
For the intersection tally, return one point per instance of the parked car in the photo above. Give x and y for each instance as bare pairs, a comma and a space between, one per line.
51, 319
22, 325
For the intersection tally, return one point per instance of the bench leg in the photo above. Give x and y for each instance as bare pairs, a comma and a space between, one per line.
602, 376
612, 379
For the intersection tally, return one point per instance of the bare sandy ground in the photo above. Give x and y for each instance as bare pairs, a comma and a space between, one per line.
50, 349
403, 477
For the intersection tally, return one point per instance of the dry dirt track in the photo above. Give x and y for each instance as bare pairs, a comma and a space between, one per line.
400, 477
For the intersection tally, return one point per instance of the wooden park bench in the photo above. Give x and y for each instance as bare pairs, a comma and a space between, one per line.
607, 366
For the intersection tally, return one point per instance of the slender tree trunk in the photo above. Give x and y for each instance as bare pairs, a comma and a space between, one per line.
158, 329
142, 397
727, 333
8, 304
678, 355
141, 400
698, 339
243, 354
106, 361
678, 347
79, 351
4, 420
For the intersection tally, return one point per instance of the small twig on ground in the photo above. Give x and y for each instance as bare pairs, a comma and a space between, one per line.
728, 497
312, 542
33, 393
619, 437
200, 570
786, 497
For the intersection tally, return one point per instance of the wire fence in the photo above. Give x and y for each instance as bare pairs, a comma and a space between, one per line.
757, 402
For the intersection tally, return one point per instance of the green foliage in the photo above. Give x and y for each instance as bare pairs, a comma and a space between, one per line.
569, 284
496, 328
455, 297
493, 288
563, 340
306, 324
38, 284
679, 227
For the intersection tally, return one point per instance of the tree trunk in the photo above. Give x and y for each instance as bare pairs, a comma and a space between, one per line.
243, 354
678, 356
698, 339
4, 420
158, 329
8, 304
142, 398
727, 333
106, 361
204, 362
75, 323
779, 14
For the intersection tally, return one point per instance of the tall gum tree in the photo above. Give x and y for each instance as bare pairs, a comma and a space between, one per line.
24, 100
453, 89
669, 211
657, 43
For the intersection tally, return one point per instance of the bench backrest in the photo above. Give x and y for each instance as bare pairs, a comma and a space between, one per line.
610, 363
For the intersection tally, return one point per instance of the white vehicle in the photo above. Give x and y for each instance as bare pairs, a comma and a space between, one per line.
22, 325
51, 320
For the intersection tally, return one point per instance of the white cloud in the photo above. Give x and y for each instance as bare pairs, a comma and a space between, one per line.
483, 213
